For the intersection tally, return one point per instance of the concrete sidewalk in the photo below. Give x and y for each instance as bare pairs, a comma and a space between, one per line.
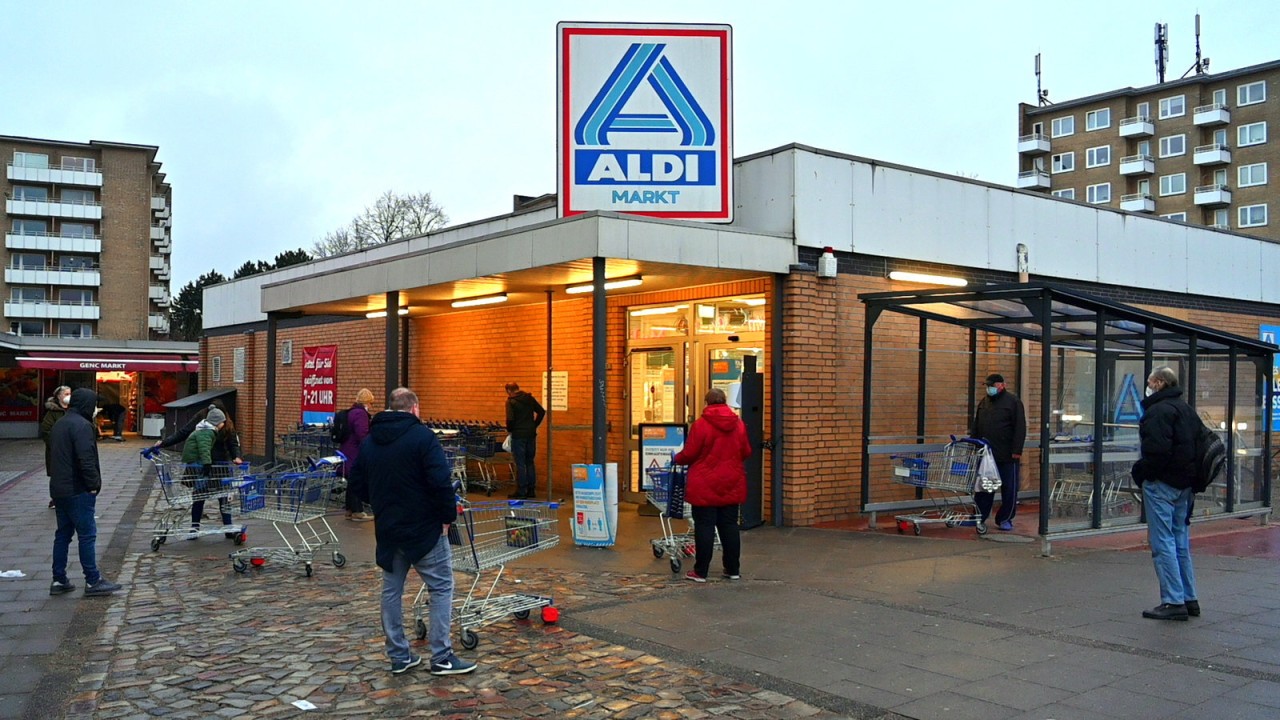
825, 624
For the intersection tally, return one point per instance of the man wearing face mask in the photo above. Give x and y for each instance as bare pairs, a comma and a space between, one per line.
1002, 422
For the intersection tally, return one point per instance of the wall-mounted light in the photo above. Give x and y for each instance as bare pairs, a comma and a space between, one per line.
383, 313
1072, 418
482, 300
927, 279
608, 285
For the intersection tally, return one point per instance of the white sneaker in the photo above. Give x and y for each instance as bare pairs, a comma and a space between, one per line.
360, 517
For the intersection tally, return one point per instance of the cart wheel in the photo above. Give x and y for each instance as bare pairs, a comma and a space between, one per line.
657, 552
309, 570
951, 523
240, 566
422, 629
915, 528
521, 614
675, 564
239, 538
469, 639
155, 544
162, 538
981, 528
339, 559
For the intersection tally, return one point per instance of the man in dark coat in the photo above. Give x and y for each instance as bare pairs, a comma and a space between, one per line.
524, 415
1166, 471
1001, 420
74, 482
407, 476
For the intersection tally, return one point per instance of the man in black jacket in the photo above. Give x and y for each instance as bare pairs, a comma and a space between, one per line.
524, 415
1002, 422
408, 484
75, 479
1166, 471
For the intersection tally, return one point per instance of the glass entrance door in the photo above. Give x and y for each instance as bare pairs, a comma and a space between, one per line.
722, 368
656, 393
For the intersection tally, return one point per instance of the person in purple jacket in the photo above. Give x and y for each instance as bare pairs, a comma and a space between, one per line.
358, 421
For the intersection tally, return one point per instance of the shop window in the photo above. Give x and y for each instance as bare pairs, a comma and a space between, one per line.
657, 322
731, 315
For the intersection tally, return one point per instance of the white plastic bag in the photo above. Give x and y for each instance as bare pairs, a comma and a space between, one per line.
506, 444
988, 472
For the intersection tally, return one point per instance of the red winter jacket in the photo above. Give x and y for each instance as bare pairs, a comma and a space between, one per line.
714, 452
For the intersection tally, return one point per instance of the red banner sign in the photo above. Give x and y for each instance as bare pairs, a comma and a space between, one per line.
319, 383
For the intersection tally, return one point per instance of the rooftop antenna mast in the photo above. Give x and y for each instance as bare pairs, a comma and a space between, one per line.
1042, 96
1202, 65
1162, 51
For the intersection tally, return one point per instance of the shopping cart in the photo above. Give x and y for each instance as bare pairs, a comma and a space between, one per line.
487, 536
484, 452
667, 495
948, 477
308, 441
183, 484
1072, 494
295, 503
455, 452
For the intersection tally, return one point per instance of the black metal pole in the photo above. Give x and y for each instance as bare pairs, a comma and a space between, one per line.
775, 402
599, 381
391, 349
546, 395
269, 426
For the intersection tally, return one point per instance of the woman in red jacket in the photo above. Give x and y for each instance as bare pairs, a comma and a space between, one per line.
716, 484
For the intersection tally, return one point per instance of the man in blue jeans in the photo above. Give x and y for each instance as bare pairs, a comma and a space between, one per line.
1166, 471
75, 479
524, 415
404, 470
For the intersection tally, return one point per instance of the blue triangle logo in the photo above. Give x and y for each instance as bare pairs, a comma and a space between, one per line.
641, 63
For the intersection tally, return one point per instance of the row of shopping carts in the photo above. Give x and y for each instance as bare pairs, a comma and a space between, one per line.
475, 449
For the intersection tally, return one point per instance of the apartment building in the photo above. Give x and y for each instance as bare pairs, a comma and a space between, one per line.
1197, 150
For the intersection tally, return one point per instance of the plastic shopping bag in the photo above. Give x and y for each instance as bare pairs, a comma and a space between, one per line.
988, 472
506, 444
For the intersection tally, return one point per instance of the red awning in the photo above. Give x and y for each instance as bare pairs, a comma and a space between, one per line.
106, 362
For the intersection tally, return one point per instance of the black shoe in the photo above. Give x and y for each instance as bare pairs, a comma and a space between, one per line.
104, 587
61, 588
1165, 611
1193, 608
52, 505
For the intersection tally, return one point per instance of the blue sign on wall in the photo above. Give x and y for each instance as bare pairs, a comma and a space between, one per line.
1270, 334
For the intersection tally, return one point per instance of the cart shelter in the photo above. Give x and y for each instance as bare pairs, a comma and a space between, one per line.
1079, 364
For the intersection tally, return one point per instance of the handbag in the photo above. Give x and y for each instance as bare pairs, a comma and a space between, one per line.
675, 498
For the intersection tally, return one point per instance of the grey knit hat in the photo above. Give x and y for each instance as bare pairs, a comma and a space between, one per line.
215, 417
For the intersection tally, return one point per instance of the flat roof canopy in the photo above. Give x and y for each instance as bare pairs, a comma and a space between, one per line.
1074, 318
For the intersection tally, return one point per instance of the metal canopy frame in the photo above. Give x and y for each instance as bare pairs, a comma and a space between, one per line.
1059, 317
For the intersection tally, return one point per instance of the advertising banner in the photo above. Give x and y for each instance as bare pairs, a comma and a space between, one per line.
1271, 334
591, 526
319, 383
645, 119
659, 443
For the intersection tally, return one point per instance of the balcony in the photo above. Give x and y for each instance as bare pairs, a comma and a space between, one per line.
1137, 127
57, 176
1215, 114
1033, 144
164, 247
1033, 180
1213, 154
159, 294
157, 322
52, 310
75, 277
157, 232
1221, 226
1138, 202
53, 243
1137, 165
1211, 195
54, 208
157, 202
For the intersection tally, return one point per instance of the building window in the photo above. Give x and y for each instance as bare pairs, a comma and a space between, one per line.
26, 192
1179, 217
75, 330
27, 261
77, 197
1173, 145
1066, 194
1220, 97
1222, 219
76, 230
1097, 156
1252, 216
38, 161
1251, 94
30, 227
1172, 107
27, 295
1144, 111
1251, 134
216, 372
1097, 119
1173, 184
1063, 162
237, 365
81, 164
1100, 193
75, 296
286, 352
1063, 126
1250, 175
75, 262
27, 327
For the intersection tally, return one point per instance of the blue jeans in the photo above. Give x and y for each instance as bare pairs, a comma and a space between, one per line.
1170, 539
75, 517
522, 452
436, 571
1009, 481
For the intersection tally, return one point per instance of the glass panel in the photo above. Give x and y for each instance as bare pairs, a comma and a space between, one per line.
22, 192
654, 391
75, 296
30, 227
75, 262
28, 294
79, 163
39, 161
656, 322
724, 371
730, 316
28, 261
77, 197
76, 230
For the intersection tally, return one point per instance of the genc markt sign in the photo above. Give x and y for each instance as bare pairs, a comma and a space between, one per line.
645, 120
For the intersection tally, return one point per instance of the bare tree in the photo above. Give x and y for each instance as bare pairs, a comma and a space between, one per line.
392, 217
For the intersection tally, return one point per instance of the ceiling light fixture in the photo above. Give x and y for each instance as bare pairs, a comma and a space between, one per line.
658, 310
927, 279
483, 300
383, 313
608, 285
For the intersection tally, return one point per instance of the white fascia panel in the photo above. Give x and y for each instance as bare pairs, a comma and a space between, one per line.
1222, 265
1061, 238
755, 252
824, 201
407, 272
1268, 266
764, 194
1133, 247
453, 263
656, 242
510, 252
573, 240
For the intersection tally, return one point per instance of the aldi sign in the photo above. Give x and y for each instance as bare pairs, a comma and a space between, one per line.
645, 120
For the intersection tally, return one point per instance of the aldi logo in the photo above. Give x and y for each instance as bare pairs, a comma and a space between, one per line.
644, 115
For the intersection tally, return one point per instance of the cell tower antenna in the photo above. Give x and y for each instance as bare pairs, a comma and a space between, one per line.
1042, 96
1202, 64
1162, 51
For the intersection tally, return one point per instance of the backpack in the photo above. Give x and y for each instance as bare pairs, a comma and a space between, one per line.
340, 430
1210, 459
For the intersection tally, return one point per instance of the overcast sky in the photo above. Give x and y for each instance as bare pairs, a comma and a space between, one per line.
279, 121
